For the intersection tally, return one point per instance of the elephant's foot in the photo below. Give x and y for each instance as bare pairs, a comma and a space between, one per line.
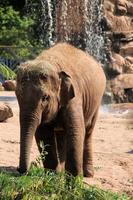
89, 172
21, 170
60, 167
50, 164
74, 172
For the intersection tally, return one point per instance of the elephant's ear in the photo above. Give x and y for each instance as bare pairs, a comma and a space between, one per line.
67, 89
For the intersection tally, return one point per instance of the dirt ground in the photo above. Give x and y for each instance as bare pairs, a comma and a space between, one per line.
112, 144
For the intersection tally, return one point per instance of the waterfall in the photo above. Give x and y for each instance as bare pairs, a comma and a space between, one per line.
64, 9
73, 21
80, 25
94, 37
51, 28
47, 10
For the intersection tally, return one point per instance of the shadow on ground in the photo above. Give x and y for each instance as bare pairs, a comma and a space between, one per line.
9, 169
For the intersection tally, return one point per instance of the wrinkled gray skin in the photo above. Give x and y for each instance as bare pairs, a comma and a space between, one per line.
59, 94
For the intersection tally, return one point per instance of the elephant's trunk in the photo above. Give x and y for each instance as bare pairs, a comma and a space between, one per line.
28, 128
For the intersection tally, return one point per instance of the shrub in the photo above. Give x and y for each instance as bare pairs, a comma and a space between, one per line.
41, 184
15, 30
6, 72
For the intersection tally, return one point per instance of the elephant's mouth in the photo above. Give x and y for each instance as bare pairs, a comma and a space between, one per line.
49, 117
51, 111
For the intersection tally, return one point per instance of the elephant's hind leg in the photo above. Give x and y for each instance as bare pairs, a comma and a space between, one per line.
45, 134
87, 157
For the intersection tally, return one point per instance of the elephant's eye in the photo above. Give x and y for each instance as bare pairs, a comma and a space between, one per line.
45, 97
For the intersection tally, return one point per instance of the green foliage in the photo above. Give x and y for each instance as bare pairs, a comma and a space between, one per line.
25, 32
13, 27
41, 184
39, 12
15, 30
42, 155
6, 72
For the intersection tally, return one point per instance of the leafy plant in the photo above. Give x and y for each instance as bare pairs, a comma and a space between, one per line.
6, 72
40, 159
41, 184
16, 38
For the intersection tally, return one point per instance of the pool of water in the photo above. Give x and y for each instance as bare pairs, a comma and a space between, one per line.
8, 98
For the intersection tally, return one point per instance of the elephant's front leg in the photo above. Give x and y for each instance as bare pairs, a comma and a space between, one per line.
75, 131
60, 138
87, 159
45, 134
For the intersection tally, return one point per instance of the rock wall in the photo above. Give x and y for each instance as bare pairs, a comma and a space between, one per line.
118, 24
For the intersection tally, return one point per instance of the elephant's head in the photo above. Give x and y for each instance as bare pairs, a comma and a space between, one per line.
41, 91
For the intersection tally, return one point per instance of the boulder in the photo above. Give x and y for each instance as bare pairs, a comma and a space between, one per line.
109, 6
129, 6
125, 36
127, 50
1, 87
9, 85
117, 63
122, 81
5, 112
120, 64
128, 66
119, 96
119, 23
122, 88
121, 8
121, 3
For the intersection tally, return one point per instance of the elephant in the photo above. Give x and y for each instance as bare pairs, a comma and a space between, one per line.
59, 94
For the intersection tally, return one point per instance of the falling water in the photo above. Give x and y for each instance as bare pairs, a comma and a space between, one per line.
64, 21
94, 37
88, 32
74, 21
50, 22
47, 9
42, 12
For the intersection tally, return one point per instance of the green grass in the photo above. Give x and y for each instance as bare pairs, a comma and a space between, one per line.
6, 72
40, 184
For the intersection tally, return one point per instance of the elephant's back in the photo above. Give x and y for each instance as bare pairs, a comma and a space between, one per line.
68, 58
78, 64
82, 67
87, 75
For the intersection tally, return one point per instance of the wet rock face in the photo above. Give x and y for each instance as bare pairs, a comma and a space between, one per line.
70, 20
117, 24
119, 27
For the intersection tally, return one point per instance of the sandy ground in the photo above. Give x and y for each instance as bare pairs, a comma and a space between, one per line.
112, 144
